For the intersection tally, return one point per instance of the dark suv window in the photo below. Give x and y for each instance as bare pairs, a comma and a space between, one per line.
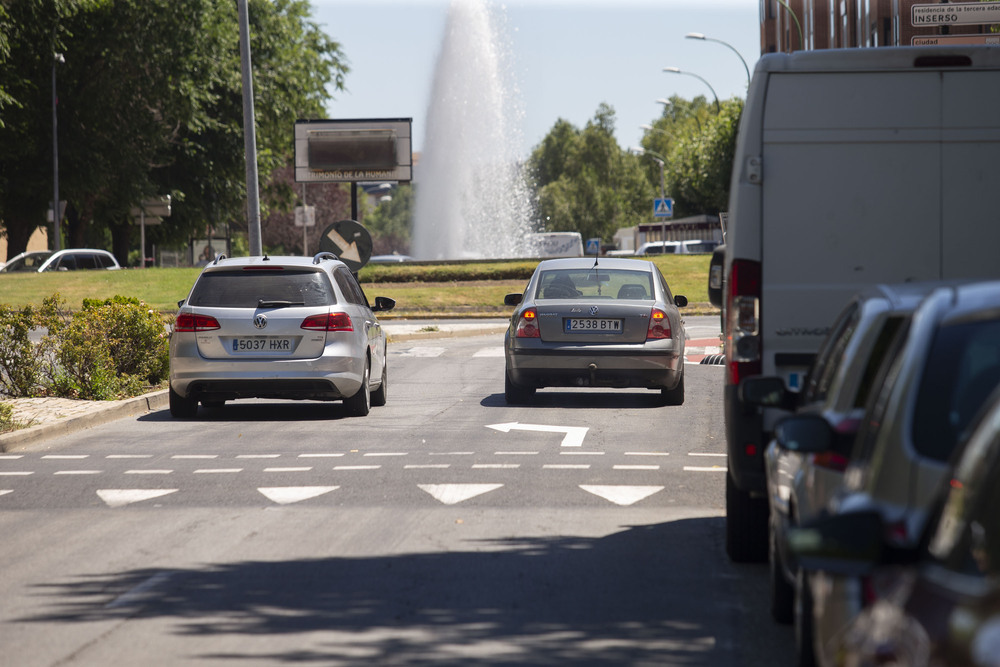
245, 288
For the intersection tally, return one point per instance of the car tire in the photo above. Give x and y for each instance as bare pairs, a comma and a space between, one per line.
181, 407
674, 396
782, 591
380, 395
360, 404
515, 394
746, 525
805, 651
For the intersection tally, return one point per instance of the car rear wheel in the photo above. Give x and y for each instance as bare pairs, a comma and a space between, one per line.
181, 407
674, 396
515, 393
379, 395
360, 404
746, 525
782, 591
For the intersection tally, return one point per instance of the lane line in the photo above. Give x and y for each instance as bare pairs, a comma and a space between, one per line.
635, 467
298, 469
356, 467
148, 472
217, 470
77, 472
258, 456
63, 457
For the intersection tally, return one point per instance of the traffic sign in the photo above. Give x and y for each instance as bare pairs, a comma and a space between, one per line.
305, 216
593, 246
663, 208
349, 241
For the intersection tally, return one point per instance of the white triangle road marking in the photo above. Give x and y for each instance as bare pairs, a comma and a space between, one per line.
622, 495
122, 497
489, 352
286, 495
4, 492
451, 494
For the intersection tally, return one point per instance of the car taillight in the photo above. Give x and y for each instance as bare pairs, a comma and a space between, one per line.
328, 322
743, 344
659, 325
527, 324
830, 461
193, 323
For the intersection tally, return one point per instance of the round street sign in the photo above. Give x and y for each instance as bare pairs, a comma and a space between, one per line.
349, 241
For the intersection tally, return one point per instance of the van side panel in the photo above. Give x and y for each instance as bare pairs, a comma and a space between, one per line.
970, 210
833, 146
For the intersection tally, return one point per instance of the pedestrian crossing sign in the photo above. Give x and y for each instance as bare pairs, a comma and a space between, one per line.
663, 208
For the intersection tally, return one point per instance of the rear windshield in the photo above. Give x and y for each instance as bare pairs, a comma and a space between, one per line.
597, 282
963, 368
244, 289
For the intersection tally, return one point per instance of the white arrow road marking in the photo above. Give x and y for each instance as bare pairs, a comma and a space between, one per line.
489, 352
4, 492
121, 497
622, 495
421, 352
450, 494
286, 495
348, 250
574, 434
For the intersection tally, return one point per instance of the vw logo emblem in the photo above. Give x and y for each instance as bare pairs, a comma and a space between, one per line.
593, 310
260, 321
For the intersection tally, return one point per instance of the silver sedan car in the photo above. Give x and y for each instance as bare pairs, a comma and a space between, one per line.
586, 322
277, 327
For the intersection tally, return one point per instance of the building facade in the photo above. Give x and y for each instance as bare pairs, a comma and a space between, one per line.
795, 25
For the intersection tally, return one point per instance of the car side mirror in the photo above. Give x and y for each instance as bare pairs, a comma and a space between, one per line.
680, 300
383, 303
512, 299
805, 433
181, 302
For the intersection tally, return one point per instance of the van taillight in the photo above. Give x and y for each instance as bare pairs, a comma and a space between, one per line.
328, 322
527, 324
194, 323
743, 343
659, 325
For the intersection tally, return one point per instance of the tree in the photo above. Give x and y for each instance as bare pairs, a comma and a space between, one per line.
150, 103
392, 222
585, 182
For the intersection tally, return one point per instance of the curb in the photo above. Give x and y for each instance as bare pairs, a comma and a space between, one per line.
102, 414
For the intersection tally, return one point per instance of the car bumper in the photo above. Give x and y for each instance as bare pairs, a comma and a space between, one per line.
329, 377
575, 366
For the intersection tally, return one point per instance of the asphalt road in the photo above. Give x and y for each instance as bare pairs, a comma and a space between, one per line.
444, 528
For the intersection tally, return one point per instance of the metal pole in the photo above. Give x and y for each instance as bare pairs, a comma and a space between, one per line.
249, 135
663, 195
56, 209
142, 236
305, 230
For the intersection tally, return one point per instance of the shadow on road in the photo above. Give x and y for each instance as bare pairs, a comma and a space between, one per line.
638, 596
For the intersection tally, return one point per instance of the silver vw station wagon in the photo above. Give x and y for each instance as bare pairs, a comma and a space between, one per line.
278, 328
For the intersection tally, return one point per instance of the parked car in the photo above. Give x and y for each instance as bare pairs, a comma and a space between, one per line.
937, 374
800, 486
71, 259
278, 327
389, 259
941, 604
697, 247
607, 323
659, 248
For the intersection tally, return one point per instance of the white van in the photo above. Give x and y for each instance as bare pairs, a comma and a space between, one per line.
852, 167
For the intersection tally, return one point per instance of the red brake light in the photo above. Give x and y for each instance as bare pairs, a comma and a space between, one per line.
527, 324
194, 323
328, 322
830, 461
659, 325
743, 344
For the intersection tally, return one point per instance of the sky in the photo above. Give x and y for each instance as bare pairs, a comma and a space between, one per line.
564, 57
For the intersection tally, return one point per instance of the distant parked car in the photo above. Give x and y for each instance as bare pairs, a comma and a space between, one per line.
606, 323
659, 248
389, 259
278, 327
942, 605
71, 259
697, 247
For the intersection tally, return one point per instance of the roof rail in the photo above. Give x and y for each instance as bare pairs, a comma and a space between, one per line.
221, 256
326, 254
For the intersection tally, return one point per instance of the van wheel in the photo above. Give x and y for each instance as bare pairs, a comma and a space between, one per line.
380, 395
181, 407
674, 396
360, 404
746, 525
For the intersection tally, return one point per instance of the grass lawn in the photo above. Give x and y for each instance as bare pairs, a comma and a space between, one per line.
474, 289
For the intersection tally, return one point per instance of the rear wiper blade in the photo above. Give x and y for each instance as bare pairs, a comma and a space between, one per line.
261, 303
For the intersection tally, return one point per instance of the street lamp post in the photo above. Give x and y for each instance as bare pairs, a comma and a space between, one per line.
661, 161
698, 35
57, 59
677, 70
783, 3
